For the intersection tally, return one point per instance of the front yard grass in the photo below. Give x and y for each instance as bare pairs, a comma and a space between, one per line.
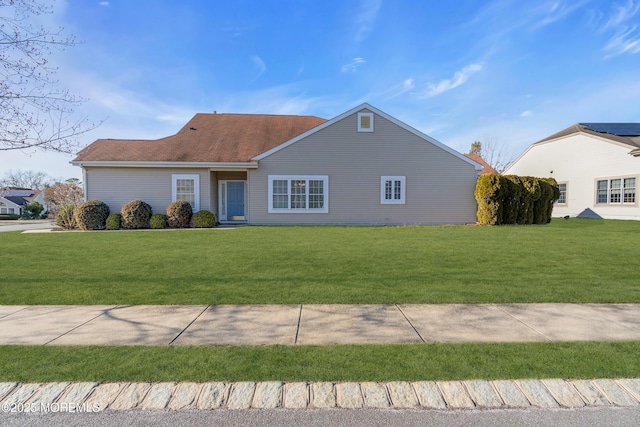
408, 362
576, 261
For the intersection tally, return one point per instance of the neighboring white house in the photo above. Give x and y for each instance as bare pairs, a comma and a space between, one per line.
596, 165
361, 167
13, 199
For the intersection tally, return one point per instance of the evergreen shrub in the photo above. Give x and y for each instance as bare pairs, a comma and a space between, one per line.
136, 214
204, 219
114, 222
92, 215
179, 214
513, 199
158, 221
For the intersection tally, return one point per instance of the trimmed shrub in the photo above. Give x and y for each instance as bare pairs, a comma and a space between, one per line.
540, 207
513, 199
204, 219
489, 193
179, 214
530, 194
136, 214
158, 221
66, 216
9, 216
92, 215
114, 222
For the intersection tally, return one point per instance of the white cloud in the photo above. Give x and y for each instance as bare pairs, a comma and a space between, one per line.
556, 11
397, 90
258, 66
366, 17
626, 37
104, 3
527, 113
353, 65
459, 78
623, 14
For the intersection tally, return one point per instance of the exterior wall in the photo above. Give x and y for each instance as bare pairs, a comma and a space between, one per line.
439, 186
8, 204
118, 186
579, 161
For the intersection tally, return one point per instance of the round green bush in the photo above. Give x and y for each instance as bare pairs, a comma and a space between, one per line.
92, 215
158, 221
136, 214
179, 214
204, 219
114, 222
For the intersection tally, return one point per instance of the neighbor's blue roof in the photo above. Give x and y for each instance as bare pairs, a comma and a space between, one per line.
620, 129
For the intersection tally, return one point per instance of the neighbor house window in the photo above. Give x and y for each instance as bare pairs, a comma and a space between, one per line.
562, 199
365, 122
186, 187
392, 190
298, 194
616, 191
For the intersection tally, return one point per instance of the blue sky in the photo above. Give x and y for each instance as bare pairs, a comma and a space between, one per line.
510, 71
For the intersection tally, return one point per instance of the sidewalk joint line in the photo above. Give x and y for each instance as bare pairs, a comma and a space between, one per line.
190, 323
11, 314
411, 324
298, 327
82, 324
498, 306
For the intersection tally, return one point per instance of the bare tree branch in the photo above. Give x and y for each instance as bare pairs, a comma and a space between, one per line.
34, 112
493, 152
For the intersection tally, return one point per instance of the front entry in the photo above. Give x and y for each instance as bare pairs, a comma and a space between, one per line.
232, 203
235, 201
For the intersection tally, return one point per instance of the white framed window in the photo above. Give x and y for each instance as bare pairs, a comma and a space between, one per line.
562, 199
365, 122
186, 187
392, 190
298, 194
616, 191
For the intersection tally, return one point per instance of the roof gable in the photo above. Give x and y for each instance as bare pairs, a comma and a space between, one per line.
366, 106
624, 130
632, 142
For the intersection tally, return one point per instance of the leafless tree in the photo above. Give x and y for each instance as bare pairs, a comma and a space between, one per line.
493, 152
26, 179
61, 194
34, 112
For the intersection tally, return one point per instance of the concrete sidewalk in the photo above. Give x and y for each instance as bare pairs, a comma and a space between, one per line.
316, 324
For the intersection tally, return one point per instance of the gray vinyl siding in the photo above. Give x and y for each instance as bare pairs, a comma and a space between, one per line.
439, 185
118, 186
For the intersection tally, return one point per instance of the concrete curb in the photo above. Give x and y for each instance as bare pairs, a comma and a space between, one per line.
440, 395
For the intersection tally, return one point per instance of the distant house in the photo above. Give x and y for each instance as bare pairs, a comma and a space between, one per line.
13, 199
597, 166
486, 167
361, 167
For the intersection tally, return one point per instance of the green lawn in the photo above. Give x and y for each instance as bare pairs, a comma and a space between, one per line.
565, 261
321, 363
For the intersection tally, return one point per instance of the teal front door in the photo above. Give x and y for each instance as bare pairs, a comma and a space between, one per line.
235, 201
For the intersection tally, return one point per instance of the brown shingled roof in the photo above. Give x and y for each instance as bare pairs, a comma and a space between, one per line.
215, 138
486, 167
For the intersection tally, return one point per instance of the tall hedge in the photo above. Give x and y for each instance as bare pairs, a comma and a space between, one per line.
489, 194
513, 199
